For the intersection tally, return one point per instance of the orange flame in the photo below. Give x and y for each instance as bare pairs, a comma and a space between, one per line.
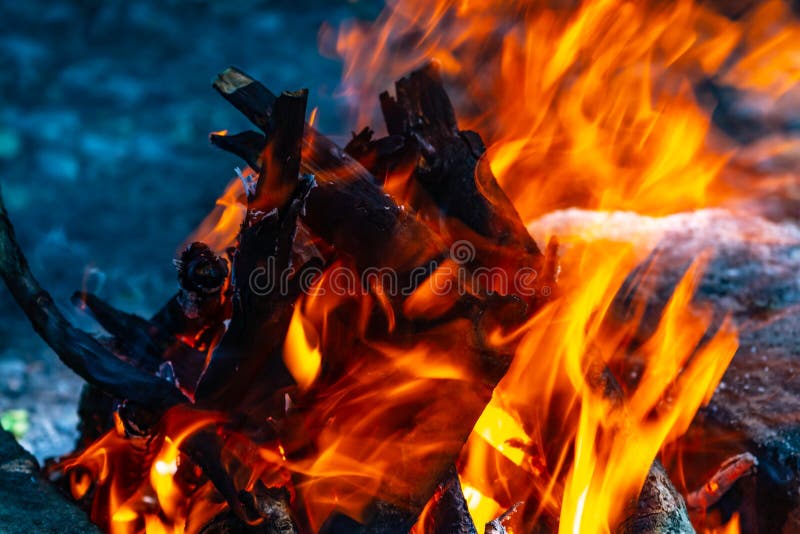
220, 229
590, 105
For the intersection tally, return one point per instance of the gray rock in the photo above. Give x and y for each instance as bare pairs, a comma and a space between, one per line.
28, 503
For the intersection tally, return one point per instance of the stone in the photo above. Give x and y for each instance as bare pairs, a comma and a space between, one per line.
30, 504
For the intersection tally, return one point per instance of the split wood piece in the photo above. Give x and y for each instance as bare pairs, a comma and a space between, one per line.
450, 163
77, 349
250, 351
447, 512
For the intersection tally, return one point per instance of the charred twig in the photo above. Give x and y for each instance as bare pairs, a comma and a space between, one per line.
497, 526
143, 342
723, 480
77, 349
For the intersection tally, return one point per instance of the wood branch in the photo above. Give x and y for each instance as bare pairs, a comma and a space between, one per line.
246, 95
250, 349
281, 158
142, 341
77, 349
730, 472
248, 145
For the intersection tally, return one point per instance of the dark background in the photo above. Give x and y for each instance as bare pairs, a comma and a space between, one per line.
105, 163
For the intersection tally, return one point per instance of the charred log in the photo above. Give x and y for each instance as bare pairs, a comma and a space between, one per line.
447, 512
249, 351
451, 165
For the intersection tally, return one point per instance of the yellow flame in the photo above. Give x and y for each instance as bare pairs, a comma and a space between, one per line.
301, 350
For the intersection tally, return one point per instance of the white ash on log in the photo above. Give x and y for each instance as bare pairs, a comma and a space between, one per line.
752, 276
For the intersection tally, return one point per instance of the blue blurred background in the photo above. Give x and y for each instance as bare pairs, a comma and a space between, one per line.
105, 163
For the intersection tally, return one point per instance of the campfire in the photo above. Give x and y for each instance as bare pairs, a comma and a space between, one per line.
479, 320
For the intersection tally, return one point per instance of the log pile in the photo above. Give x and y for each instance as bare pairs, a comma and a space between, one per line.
217, 345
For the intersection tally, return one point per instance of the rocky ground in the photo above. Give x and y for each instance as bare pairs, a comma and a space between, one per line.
104, 159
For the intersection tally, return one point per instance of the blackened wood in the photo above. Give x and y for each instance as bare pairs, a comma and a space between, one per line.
247, 145
382, 518
142, 341
349, 210
452, 167
247, 95
346, 207
204, 448
280, 168
447, 513
249, 352
77, 349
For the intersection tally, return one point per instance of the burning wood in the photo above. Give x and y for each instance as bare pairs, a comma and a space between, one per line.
246, 377
273, 440
368, 339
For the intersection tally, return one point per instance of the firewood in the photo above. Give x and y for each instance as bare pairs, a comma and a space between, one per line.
660, 509
350, 211
730, 472
447, 512
249, 352
77, 349
248, 145
451, 165
89, 359
347, 207
142, 341
498, 525
271, 510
